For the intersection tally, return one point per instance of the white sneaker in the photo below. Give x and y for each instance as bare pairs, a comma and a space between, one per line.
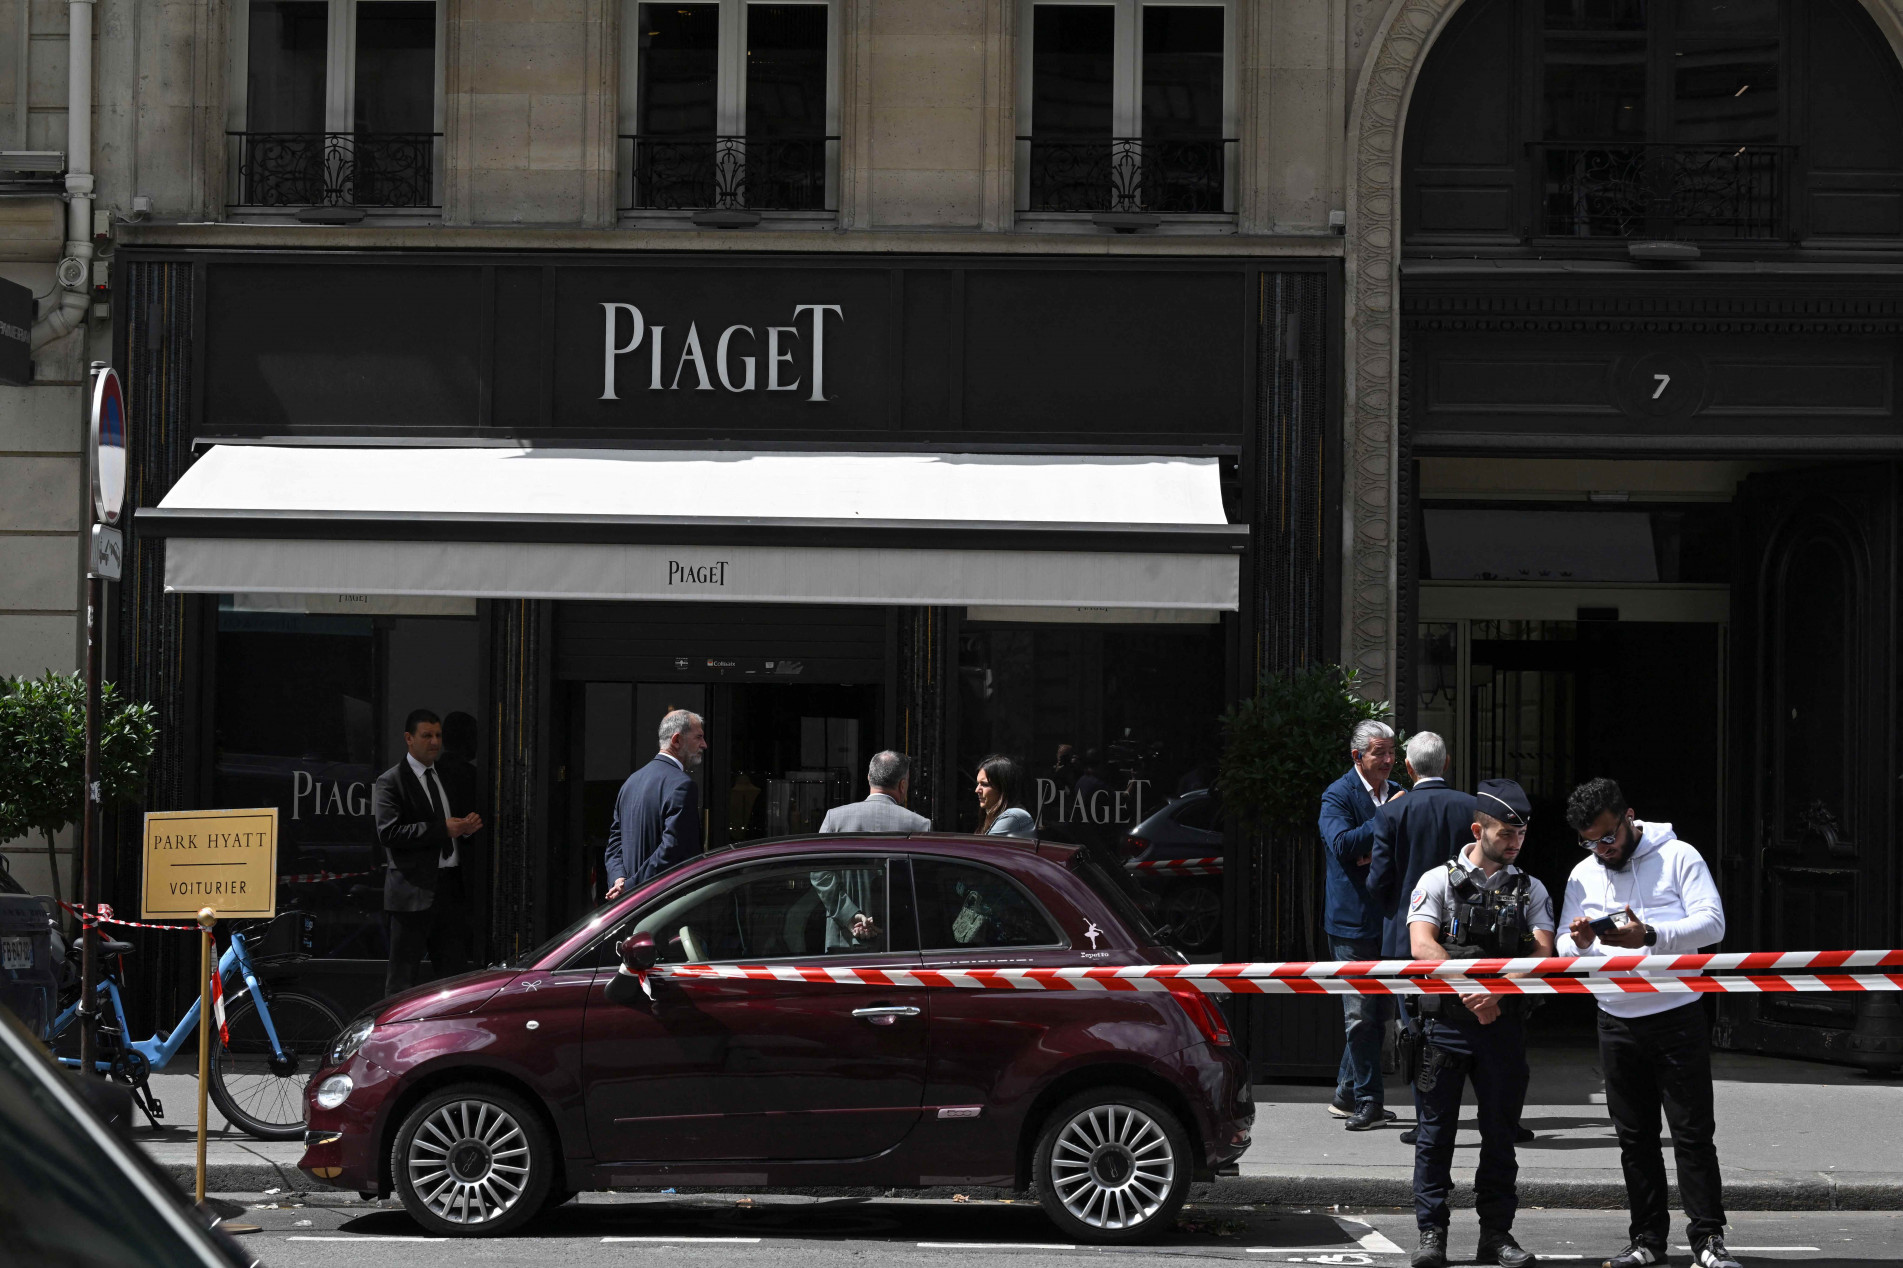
1711, 1253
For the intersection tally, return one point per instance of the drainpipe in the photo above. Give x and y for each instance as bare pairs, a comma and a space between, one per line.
66, 313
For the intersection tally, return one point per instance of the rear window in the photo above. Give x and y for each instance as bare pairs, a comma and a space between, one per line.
1120, 893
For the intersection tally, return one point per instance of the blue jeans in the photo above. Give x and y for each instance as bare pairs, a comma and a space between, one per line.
1359, 1078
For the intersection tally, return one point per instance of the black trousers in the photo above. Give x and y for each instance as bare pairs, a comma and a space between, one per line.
1664, 1062
1493, 1058
442, 930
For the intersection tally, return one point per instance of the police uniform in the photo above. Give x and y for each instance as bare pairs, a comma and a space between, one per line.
1477, 916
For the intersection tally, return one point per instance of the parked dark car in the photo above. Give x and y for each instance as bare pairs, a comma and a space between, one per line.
1185, 830
78, 1192
482, 1100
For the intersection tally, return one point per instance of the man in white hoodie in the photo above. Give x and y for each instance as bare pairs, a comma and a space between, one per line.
1652, 894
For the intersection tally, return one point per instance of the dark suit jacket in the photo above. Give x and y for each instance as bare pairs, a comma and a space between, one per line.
1413, 835
412, 834
656, 823
1347, 828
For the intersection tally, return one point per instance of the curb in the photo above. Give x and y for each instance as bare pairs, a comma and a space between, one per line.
1786, 1192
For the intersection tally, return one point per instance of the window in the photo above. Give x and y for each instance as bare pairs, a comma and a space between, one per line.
336, 103
776, 911
1663, 119
964, 907
728, 106
1127, 107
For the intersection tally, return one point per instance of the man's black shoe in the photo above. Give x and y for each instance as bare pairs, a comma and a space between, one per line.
1498, 1247
1408, 1136
1711, 1253
1368, 1117
1637, 1255
1432, 1252
1340, 1108
1522, 1134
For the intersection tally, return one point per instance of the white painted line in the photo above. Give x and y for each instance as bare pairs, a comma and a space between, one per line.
1762, 1249
1378, 1244
1366, 1235
359, 1237
684, 1241
995, 1246
1339, 1248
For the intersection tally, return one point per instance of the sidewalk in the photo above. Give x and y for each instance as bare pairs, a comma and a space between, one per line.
1791, 1135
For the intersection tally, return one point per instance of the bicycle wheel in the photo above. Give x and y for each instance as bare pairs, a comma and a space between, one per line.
258, 1094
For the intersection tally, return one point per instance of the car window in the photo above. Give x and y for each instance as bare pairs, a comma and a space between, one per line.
1197, 812
963, 907
809, 909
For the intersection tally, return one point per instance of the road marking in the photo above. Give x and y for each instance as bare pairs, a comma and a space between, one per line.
1371, 1240
995, 1246
1761, 1249
359, 1237
1339, 1249
683, 1241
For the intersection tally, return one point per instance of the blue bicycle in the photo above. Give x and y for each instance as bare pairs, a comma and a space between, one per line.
278, 1039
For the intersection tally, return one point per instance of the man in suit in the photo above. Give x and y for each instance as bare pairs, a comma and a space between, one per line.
657, 812
1351, 918
420, 832
890, 775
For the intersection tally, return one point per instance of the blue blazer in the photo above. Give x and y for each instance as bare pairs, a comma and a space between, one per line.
1347, 826
656, 823
1412, 836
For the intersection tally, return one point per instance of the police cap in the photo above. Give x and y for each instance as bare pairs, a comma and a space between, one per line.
1504, 800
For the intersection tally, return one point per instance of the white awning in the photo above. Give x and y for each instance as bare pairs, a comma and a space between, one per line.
1005, 530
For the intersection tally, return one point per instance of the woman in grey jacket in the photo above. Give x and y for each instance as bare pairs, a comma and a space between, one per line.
1000, 796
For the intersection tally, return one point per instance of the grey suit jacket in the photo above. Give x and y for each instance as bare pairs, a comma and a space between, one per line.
877, 813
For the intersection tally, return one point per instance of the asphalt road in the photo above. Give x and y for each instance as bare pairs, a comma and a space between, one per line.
721, 1231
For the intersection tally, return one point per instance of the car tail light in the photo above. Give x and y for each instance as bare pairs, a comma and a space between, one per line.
1205, 1013
1133, 846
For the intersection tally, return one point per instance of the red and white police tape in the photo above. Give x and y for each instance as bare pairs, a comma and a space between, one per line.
1175, 867
105, 917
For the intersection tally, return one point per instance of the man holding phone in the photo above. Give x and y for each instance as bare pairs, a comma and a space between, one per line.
1643, 890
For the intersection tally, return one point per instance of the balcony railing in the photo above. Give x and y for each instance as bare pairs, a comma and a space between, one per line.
1125, 174
1664, 191
334, 169
727, 173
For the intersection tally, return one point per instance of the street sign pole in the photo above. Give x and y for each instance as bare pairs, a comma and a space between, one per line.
107, 452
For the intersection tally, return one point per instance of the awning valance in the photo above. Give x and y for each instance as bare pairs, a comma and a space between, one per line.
989, 529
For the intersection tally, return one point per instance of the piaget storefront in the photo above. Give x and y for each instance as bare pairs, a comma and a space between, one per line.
956, 507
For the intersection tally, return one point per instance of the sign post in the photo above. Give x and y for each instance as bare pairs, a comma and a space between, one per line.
107, 453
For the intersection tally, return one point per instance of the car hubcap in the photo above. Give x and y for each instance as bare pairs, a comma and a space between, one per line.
1113, 1167
469, 1162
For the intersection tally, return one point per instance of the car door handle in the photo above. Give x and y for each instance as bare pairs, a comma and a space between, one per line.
885, 1014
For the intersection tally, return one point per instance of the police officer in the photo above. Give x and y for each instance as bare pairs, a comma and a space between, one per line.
1478, 905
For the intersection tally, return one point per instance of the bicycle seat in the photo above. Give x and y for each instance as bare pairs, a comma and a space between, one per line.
107, 946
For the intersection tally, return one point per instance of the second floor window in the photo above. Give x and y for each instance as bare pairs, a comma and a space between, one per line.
728, 106
336, 102
1126, 107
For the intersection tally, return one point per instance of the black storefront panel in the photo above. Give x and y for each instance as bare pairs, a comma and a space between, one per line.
719, 642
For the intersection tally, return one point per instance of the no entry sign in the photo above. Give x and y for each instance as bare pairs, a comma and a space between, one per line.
108, 446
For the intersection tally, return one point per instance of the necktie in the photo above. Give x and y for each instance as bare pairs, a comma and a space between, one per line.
436, 798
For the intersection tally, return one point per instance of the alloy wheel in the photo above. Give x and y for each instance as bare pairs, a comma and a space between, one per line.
1112, 1167
468, 1162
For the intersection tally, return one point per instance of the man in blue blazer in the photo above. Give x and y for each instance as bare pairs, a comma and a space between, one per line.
657, 812
1352, 919
1423, 830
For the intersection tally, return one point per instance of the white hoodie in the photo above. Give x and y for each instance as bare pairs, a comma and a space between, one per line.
1668, 886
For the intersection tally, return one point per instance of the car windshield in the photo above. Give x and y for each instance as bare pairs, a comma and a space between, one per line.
94, 1201
588, 921
1120, 893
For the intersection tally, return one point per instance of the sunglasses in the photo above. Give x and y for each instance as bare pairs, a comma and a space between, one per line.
1595, 843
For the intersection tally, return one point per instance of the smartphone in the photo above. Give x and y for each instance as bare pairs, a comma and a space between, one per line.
1608, 924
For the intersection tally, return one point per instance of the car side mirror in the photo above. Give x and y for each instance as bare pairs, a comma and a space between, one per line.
638, 951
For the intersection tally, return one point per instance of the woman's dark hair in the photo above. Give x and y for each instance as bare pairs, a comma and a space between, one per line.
1006, 775
1592, 799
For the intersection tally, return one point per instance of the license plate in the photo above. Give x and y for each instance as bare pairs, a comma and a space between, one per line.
16, 953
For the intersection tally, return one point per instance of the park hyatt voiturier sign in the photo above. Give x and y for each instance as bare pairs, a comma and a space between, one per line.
791, 357
222, 859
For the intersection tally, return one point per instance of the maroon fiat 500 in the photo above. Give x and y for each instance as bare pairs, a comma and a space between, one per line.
487, 1098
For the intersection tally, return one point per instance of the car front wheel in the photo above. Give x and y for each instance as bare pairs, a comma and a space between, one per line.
1112, 1165
472, 1161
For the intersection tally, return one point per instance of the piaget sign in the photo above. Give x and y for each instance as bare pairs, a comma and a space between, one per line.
788, 358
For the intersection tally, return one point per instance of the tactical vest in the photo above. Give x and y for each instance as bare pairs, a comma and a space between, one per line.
1482, 923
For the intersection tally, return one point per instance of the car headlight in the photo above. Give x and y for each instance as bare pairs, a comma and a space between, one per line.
334, 1091
351, 1039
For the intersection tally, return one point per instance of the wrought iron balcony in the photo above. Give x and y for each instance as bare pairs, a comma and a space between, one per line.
1664, 191
727, 173
334, 169
1125, 174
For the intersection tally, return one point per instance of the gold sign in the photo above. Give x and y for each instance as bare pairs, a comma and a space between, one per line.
223, 859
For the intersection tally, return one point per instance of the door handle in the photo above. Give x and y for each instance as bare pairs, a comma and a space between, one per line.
885, 1014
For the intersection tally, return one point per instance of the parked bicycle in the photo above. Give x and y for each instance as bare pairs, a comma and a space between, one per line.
278, 1039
